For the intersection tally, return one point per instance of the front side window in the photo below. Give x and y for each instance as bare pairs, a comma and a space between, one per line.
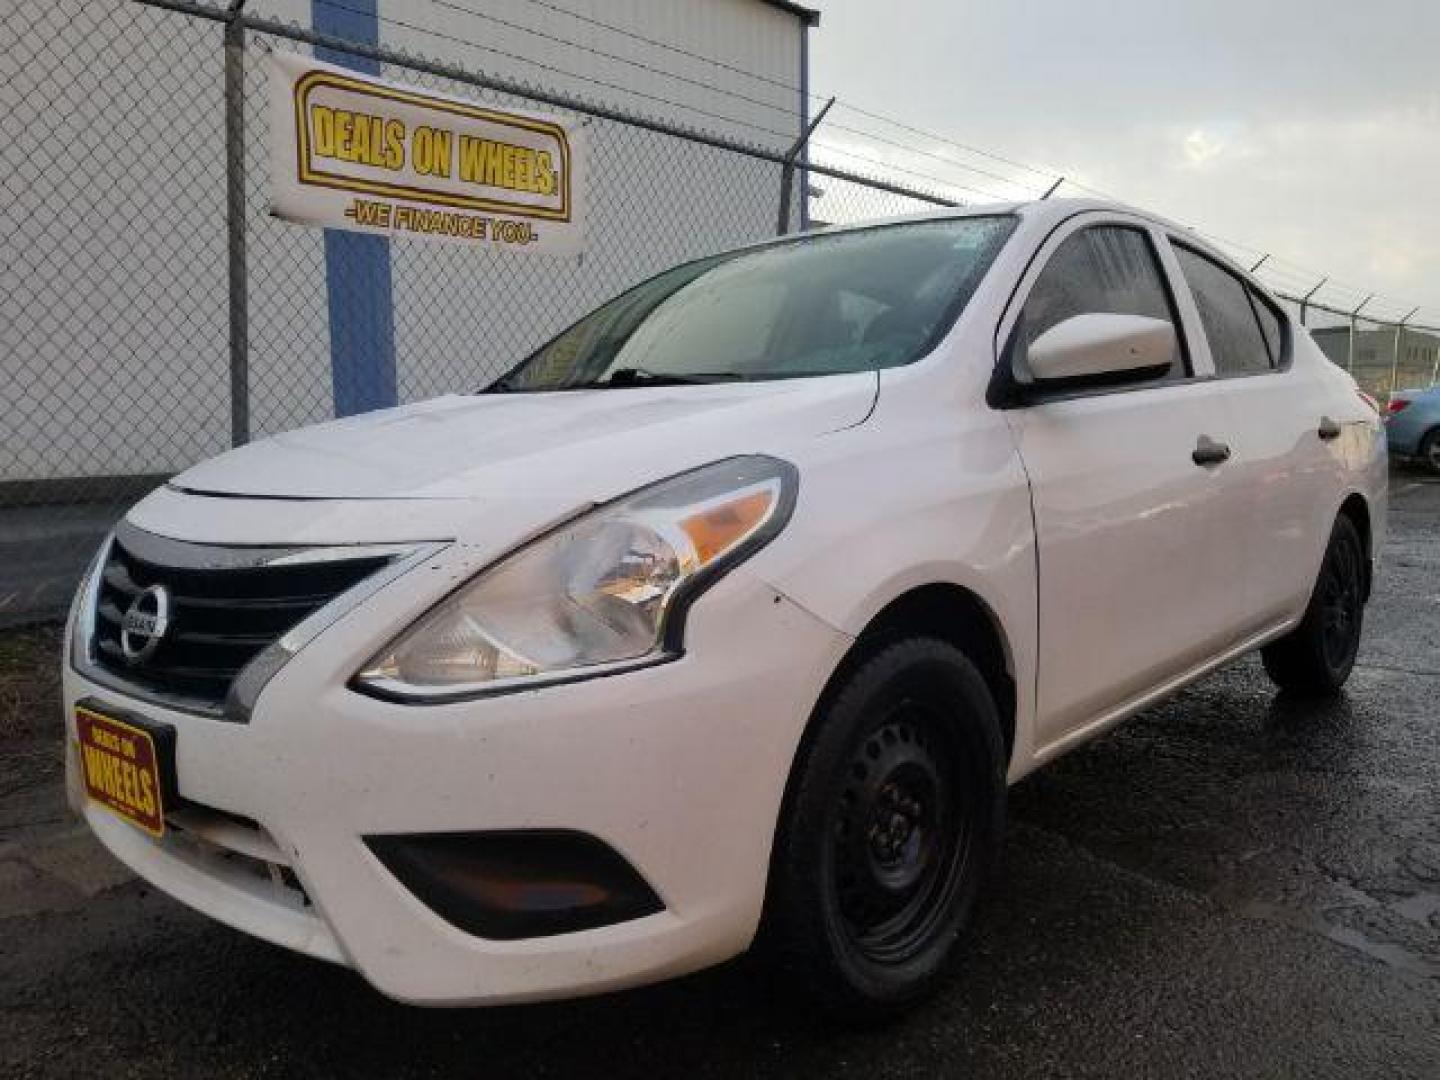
1104, 269
825, 304
1237, 344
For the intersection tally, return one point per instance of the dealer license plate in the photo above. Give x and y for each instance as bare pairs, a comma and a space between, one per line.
121, 764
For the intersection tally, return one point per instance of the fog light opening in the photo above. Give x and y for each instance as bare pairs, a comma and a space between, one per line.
517, 884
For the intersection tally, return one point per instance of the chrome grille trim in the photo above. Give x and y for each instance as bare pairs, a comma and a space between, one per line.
236, 630
253, 678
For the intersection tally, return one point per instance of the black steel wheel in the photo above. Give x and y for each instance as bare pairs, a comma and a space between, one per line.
901, 832
1319, 654
892, 822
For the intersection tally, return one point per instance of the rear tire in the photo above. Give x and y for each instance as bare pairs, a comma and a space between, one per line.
1317, 656
893, 819
1428, 453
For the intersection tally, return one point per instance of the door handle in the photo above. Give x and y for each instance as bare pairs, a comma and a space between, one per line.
1329, 429
1210, 452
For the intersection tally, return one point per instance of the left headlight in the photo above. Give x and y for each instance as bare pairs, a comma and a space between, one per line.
606, 591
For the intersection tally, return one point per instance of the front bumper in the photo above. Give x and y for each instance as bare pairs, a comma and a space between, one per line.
680, 768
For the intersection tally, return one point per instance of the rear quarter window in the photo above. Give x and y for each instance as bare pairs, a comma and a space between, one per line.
1271, 327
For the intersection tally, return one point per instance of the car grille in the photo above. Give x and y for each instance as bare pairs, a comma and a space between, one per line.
226, 606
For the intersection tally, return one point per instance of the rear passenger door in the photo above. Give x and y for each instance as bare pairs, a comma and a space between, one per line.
1278, 451
1135, 587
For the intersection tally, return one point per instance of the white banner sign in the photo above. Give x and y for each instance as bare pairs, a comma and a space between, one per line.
353, 152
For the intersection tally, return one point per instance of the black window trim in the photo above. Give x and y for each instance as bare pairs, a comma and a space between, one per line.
1005, 392
1253, 290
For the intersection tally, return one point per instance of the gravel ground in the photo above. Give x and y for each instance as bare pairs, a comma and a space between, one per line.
1233, 884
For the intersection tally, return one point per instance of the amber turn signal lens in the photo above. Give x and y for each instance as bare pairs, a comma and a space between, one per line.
717, 529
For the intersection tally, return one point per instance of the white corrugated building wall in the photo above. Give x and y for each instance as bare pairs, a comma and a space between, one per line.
113, 292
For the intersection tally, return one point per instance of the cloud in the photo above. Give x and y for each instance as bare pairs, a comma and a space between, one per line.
1306, 128
1200, 147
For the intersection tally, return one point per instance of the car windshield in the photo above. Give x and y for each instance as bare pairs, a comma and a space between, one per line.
823, 304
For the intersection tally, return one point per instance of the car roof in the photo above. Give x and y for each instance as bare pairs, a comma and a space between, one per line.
1046, 214
1040, 211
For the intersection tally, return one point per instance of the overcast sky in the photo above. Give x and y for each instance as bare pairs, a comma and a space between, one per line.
1310, 128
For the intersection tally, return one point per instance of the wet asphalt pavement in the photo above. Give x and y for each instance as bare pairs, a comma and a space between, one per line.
1233, 884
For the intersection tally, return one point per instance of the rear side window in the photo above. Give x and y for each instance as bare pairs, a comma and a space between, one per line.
1270, 328
1107, 269
1232, 327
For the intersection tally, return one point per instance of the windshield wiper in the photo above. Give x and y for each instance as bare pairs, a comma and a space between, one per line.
623, 377
634, 376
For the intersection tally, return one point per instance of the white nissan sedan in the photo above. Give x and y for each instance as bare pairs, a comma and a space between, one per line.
728, 615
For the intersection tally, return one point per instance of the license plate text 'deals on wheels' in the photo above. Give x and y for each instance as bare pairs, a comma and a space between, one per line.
121, 768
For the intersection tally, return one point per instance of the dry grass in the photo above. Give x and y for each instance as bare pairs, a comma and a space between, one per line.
30, 682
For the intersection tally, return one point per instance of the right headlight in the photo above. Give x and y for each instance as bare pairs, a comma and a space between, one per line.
604, 592
80, 623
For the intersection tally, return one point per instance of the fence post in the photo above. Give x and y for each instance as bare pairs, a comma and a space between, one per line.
1395, 354
787, 170
1306, 299
235, 225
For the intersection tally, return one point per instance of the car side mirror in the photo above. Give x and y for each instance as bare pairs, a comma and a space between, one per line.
1102, 346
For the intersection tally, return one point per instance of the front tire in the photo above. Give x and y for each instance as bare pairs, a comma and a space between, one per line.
893, 820
1318, 655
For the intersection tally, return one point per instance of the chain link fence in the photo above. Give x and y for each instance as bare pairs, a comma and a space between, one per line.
136, 343
145, 327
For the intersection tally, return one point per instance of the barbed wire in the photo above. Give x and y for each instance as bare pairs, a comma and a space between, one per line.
929, 154
831, 148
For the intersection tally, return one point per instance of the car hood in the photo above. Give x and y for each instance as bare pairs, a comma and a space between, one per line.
579, 446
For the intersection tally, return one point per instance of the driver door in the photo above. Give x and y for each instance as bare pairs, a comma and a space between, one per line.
1135, 586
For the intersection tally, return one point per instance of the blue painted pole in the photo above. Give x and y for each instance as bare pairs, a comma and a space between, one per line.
357, 266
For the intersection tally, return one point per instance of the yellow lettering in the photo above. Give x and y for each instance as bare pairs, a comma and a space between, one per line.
493, 164
360, 147
344, 133
394, 144
440, 156
322, 121
546, 174
147, 793
112, 779
93, 764
472, 153
431, 152
507, 174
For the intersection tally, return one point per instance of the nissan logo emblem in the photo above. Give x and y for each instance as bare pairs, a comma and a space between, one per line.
144, 624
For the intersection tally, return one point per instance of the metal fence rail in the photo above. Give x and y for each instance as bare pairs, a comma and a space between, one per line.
153, 313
